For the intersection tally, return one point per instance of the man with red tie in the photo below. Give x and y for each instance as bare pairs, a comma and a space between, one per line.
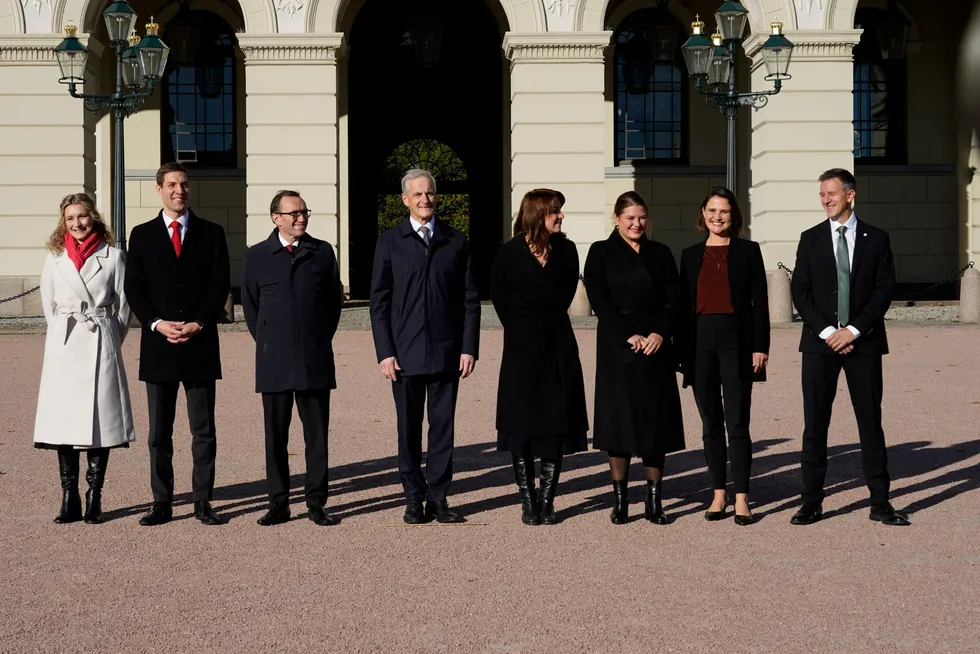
177, 281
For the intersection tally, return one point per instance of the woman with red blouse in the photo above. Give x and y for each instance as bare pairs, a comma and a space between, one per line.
727, 342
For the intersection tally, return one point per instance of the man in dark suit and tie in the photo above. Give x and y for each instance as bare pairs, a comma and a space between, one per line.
177, 281
842, 286
425, 316
292, 296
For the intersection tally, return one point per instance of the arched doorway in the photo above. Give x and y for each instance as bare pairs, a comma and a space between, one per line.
425, 74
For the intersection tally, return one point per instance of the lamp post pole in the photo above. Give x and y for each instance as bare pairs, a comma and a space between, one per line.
140, 64
711, 64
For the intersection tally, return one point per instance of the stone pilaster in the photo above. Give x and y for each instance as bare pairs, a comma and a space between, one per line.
973, 203
558, 125
46, 148
291, 114
803, 131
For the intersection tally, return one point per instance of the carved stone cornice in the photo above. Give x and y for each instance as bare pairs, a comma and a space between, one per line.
291, 49
38, 49
556, 47
809, 45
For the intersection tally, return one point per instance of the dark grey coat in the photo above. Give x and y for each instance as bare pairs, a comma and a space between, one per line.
292, 307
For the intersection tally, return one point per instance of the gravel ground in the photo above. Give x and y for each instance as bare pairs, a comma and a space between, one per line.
372, 584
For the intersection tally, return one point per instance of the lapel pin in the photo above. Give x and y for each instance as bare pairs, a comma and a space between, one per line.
864, 234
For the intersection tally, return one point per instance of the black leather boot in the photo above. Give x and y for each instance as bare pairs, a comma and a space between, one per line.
95, 476
550, 471
530, 511
653, 504
71, 502
621, 502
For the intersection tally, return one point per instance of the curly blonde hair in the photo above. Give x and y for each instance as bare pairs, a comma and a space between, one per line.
57, 241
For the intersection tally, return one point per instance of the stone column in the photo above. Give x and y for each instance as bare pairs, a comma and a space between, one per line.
973, 203
803, 131
291, 134
47, 150
558, 126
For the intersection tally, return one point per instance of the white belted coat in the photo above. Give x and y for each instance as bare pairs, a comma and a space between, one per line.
84, 396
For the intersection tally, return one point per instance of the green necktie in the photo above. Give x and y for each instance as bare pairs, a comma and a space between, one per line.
843, 278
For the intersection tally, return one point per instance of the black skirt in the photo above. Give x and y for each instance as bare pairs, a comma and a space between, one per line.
552, 446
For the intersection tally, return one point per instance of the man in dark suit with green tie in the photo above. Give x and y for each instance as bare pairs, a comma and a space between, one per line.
842, 287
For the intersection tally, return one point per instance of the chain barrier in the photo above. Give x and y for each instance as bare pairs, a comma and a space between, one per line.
19, 295
922, 291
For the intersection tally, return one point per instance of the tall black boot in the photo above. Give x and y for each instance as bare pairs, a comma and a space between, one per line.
71, 503
98, 459
550, 471
530, 511
621, 502
654, 510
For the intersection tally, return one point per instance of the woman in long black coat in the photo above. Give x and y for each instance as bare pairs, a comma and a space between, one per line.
632, 284
541, 394
727, 342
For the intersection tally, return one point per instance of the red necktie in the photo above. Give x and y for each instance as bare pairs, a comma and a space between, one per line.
290, 248
175, 237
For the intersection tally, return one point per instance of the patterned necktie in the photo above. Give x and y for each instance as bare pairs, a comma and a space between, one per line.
424, 233
175, 236
843, 278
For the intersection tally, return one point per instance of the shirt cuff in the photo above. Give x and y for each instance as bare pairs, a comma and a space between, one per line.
153, 325
854, 331
825, 334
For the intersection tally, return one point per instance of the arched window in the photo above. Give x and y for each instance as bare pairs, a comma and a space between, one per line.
650, 89
880, 86
199, 88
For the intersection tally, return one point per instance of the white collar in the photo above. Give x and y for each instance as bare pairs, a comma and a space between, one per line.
416, 225
284, 242
851, 224
182, 218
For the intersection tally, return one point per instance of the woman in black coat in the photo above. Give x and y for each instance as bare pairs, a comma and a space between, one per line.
727, 342
541, 393
633, 287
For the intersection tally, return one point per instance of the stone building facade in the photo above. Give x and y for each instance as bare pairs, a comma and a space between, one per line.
328, 96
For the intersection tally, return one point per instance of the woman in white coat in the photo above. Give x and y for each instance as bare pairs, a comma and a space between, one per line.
83, 402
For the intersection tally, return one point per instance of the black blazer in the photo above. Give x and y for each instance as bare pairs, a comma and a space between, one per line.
750, 299
192, 288
425, 307
292, 306
872, 284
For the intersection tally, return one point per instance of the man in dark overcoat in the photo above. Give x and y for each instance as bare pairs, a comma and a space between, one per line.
177, 280
292, 297
425, 316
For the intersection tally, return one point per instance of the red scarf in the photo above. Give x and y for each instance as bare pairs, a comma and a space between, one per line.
79, 252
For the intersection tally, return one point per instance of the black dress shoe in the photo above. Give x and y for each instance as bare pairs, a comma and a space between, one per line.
415, 514
320, 517
158, 514
207, 516
439, 509
276, 515
714, 516
744, 520
887, 515
809, 513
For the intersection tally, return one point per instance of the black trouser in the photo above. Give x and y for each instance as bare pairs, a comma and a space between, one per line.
717, 372
649, 461
314, 413
864, 381
410, 402
162, 401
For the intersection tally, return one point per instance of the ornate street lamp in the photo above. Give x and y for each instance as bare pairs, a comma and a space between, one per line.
140, 63
711, 63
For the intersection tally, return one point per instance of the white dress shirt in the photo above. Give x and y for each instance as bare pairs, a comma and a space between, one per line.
416, 225
284, 242
182, 219
850, 236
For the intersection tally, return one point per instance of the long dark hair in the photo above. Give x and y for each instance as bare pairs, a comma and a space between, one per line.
735, 230
537, 205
